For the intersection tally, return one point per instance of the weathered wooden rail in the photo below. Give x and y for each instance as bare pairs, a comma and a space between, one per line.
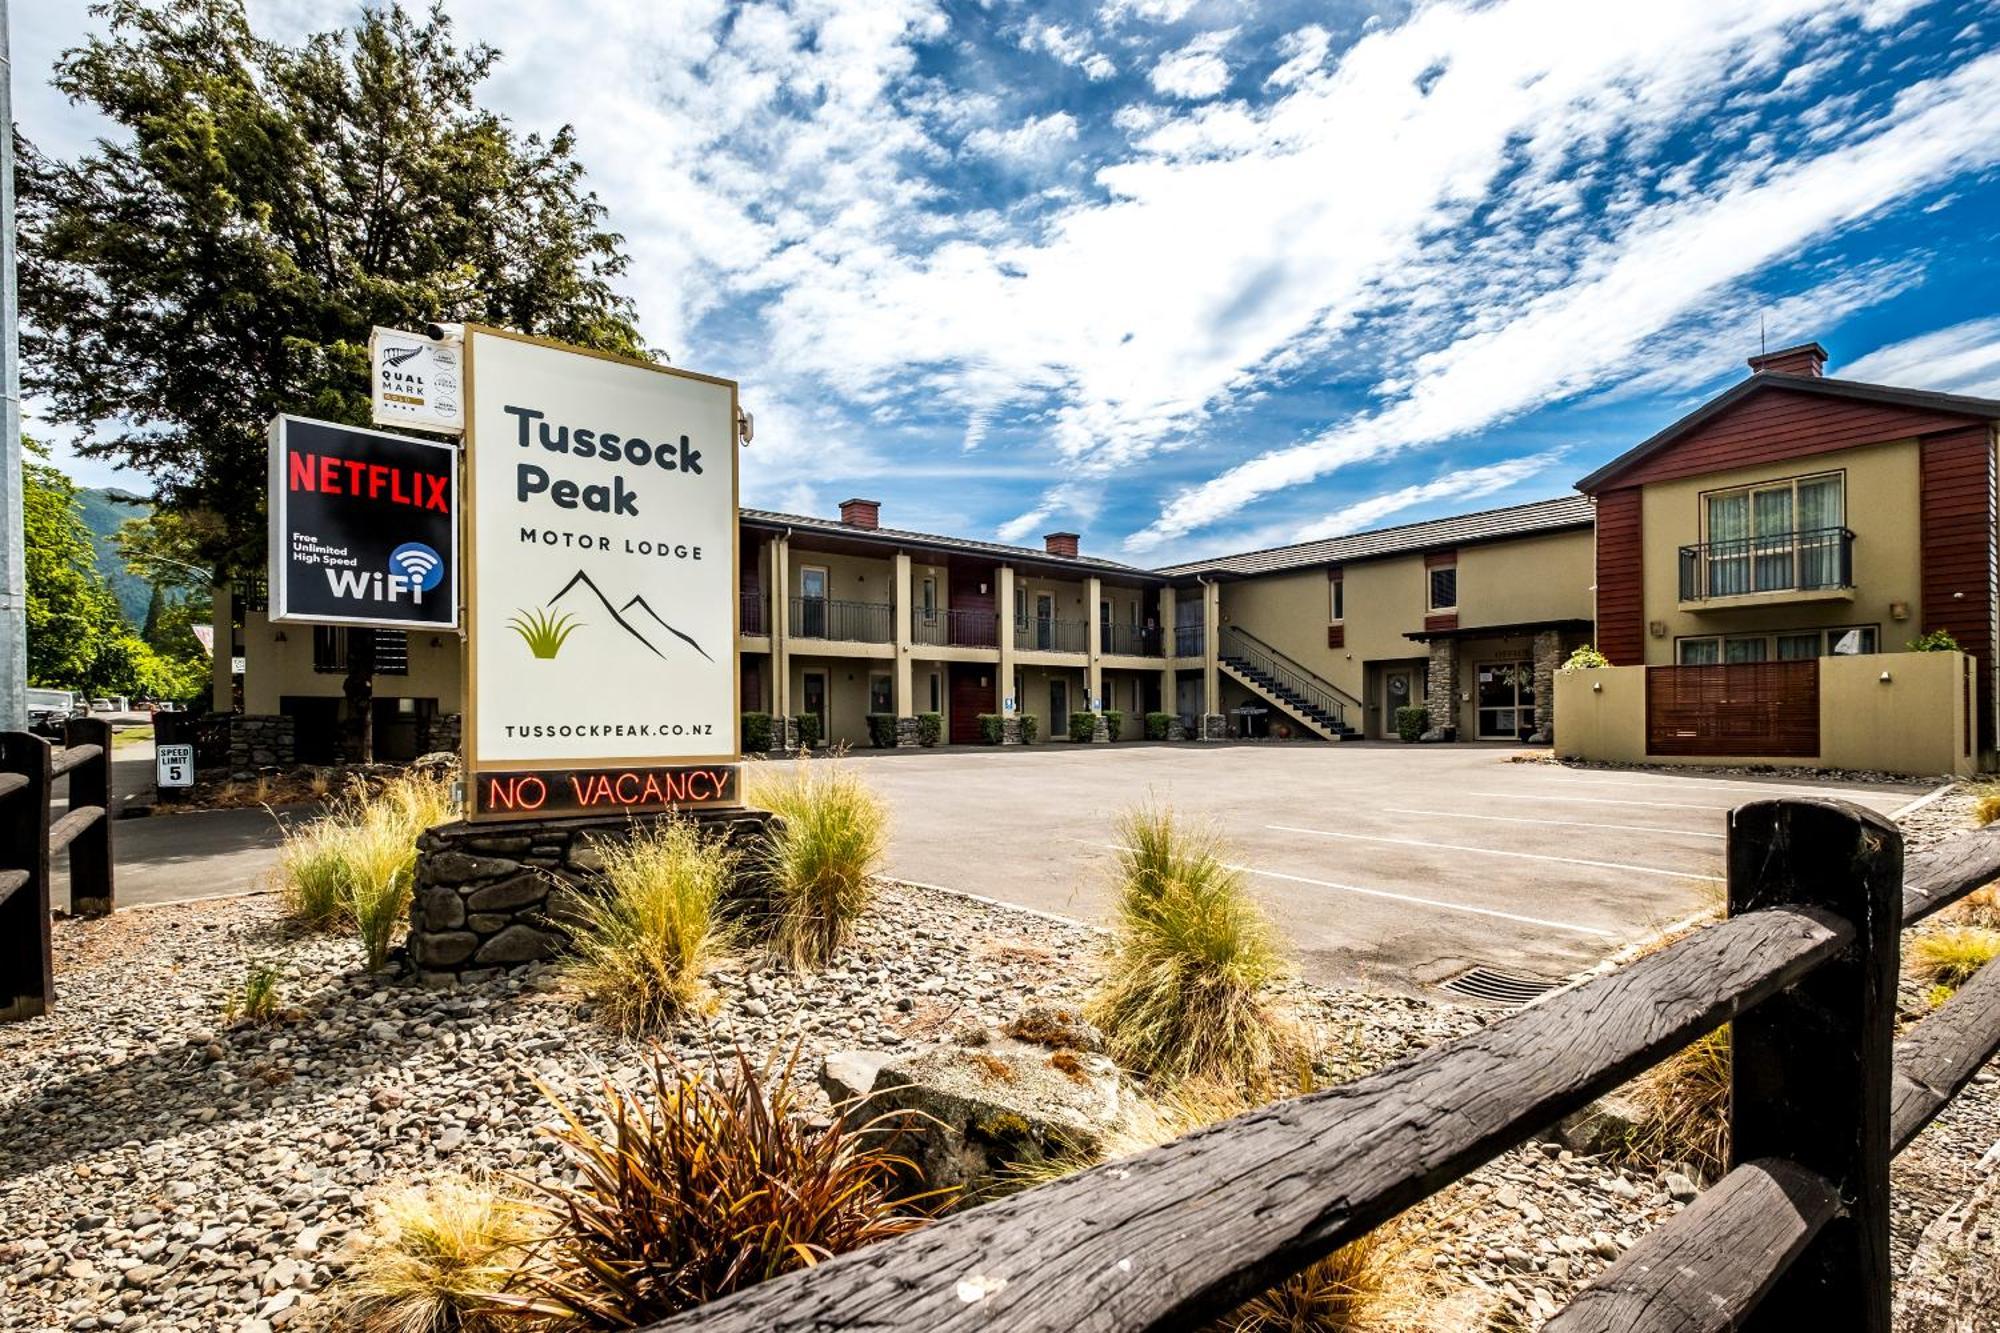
1795, 1236
29, 842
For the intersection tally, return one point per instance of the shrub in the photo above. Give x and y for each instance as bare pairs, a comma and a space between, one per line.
435, 1259
808, 725
1159, 726
882, 730
1184, 992
1951, 957
1936, 641
930, 728
1412, 722
756, 733
1082, 726
1684, 1108
702, 1187
823, 848
257, 1001
1114, 722
641, 947
1585, 658
990, 728
1030, 727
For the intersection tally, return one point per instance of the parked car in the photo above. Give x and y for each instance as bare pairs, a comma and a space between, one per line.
49, 709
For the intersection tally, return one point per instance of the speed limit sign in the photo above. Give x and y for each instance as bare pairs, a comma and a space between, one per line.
173, 766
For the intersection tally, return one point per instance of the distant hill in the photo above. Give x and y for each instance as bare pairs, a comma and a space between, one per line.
104, 510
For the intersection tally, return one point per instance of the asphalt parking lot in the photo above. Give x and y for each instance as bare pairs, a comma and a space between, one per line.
1381, 864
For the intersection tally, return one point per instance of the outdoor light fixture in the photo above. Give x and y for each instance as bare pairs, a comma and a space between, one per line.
1899, 610
1884, 678
1597, 687
279, 637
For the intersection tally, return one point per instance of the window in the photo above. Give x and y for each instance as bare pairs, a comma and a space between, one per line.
1701, 652
1786, 646
1779, 536
329, 649
930, 601
1798, 647
1020, 607
1743, 649
1444, 588
1337, 598
937, 694
881, 695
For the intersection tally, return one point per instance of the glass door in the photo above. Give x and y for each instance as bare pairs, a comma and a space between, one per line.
1396, 690
812, 605
1506, 695
1045, 621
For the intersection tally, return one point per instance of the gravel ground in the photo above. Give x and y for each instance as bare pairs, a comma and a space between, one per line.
161, 1171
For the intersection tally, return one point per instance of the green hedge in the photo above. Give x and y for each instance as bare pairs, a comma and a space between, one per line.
930, 728
808, 729
1159, 726
756, 733
1412, 722
1030, 725
1082, 726
1114, 722
989, 728
882, 730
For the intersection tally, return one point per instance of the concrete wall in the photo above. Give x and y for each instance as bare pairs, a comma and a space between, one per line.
1883, 495
274, 670
1915, 722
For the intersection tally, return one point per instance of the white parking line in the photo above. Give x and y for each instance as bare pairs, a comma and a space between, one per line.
1496, 851
1558, 823
1439, 903
1595, 800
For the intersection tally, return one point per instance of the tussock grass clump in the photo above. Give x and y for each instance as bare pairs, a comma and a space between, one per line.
1985, 802
1981, 908
381, 856
313, 873
1684, 1102
1952, 956
824, 850
1184, 995
1361, 1286
701, 1187
640, 948
257, 1000
435, 1260
356, 864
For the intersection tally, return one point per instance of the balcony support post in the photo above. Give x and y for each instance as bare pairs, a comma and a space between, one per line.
901, 618
1211, 652
1003, 603
1093, 642
781, 627
1169, 678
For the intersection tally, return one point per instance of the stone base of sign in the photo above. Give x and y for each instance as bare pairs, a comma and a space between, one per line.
906, 733
260, 741
1214, 727
493, 896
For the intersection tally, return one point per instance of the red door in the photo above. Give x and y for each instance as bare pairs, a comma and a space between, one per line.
971, 695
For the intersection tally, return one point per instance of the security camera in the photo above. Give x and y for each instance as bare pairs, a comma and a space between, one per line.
436, 331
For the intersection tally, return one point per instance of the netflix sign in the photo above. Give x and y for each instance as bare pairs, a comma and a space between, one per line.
364, 527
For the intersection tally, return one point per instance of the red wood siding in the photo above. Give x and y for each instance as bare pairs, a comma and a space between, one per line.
969, 699
1432, 559
1959, 584
1778, 424
1743, 709
1336, 636
1437, 624
965, 594
1621, 604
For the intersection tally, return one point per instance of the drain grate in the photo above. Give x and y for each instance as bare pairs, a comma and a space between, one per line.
1483, 983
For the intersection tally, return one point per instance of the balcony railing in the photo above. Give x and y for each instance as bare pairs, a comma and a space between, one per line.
754, 617
850, 622
955, 629
1129, 640
1043, 634
1190, 640
1809, 560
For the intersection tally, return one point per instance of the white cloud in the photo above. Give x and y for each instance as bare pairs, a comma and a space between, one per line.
1665, 264
1069, 47
1964, 358
1304, 52
1464, 484
1030, 139
1196, 71
1153, 11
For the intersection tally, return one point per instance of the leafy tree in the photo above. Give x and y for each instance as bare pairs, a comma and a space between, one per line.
224, 259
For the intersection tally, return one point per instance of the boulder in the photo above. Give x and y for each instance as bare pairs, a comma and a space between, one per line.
978, 1114
516, 944
511, 894
1607, 1125
1057, 1026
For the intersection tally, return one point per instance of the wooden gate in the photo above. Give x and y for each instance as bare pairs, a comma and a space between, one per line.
1737, 709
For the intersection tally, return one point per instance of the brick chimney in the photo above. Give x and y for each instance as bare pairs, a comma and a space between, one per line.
1060, 543
861, 513
1805, 359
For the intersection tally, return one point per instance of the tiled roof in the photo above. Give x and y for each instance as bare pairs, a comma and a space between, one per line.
934, 541
1565, 511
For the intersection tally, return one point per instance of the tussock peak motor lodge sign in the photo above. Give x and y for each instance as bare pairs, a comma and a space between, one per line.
600, 585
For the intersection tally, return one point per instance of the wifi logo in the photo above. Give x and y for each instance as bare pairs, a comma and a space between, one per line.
418, 563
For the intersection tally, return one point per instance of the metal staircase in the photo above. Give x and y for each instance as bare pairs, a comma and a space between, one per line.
1316, 702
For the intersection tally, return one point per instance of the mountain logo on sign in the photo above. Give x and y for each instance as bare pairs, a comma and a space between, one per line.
580, 578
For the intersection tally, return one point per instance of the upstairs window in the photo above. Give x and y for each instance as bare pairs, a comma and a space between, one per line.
1444, 588
1336, 585
930, 601
1782, 535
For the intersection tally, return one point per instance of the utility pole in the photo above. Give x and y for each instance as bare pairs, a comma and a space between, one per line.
13, 545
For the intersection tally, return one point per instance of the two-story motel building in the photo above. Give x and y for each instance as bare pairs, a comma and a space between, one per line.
1794, 519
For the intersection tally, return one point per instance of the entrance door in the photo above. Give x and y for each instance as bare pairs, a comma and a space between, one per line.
971, 694
1506, 699
1398, 688
815, 699
812, 604
1045, 621
1058, 708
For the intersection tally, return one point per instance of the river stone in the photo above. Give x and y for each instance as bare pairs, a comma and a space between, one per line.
441, 909
445, 948
458, 868
509, 894
516, 944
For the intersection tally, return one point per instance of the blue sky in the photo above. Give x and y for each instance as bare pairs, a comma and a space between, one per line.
1190, 276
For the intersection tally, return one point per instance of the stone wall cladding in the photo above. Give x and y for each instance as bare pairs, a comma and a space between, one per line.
444, 731
906, 733
493, 896
260, 741
1215, 726
1548, 657
1441, 691
1010, 731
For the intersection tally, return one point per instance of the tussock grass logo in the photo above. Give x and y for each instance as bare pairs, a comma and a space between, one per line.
545, 633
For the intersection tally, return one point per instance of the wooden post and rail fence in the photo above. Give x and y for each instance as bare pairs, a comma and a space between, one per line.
29, 842
1795, 1236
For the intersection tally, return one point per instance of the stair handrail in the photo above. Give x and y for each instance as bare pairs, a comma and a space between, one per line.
1315, 689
